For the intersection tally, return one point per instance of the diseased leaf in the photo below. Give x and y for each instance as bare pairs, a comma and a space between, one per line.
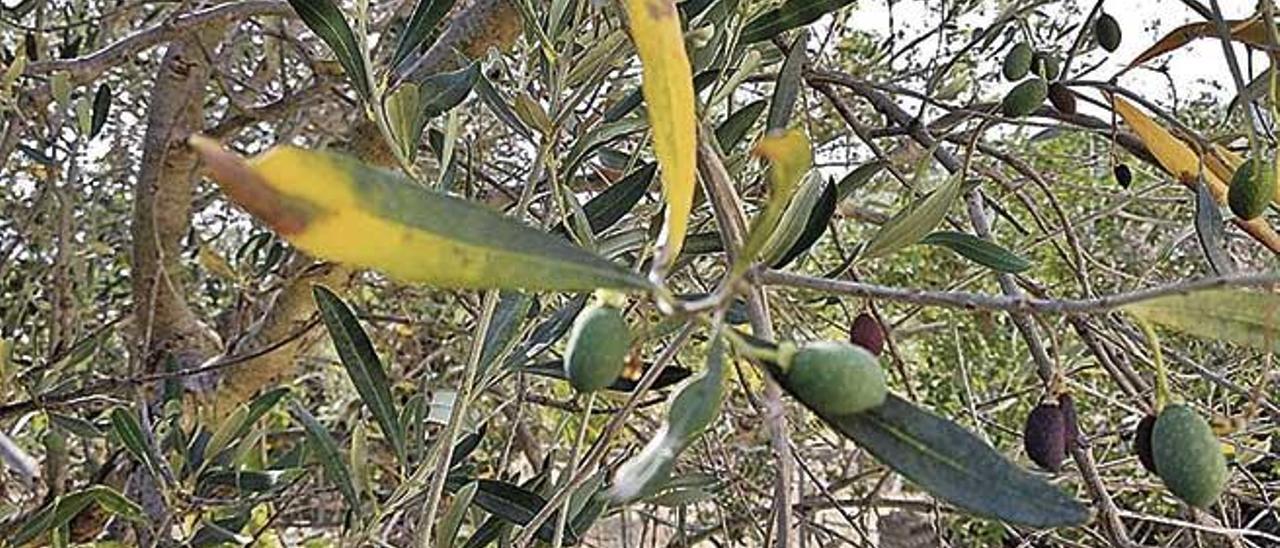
791, 14
1209, 232
328, 453
789, 157
978, 250
426, 15
325, 19
913, 224
735, 127
363, 366
333, 206
1248, 318
667, 82
1252, 31
1179, 160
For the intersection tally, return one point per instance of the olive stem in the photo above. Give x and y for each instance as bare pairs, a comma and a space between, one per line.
563, 520
1162, 380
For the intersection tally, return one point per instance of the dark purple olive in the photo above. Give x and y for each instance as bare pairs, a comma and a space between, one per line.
1142, 443
1123, 175
867, 333
1045, 436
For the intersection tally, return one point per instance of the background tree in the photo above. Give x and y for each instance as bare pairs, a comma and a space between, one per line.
1043, 241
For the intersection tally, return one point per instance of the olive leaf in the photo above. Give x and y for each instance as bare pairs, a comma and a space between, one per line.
734, 128
787, 88
325, 19
426, 15
791, 14
978, 250
362, 364
329, 454
1249, 318
61, 511
912, 224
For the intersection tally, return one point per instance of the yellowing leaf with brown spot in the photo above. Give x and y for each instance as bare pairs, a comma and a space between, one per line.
668, 93
790, 156
1180, 161
342, 210
1251, 31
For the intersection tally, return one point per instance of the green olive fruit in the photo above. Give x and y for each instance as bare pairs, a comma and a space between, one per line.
1018, 62
1107, 31
598, 347
1187, 456
1252, 189
1024, 98
836, 378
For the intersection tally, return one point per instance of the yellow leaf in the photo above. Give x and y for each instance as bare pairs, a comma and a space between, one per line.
668, 93
1249, 31
790, 157
341, 210
1180, 161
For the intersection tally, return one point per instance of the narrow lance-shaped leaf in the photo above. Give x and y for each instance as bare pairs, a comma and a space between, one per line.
1209, 232
668, 92
911, 225
787, 88
789, 157
333, 206
325, 19
819, 216
452, 520
979, 251
66, 507
129, 430
735, 127
791, 14
362, 364
101, 108
426, 15
1249, 318
329, 455
795, 220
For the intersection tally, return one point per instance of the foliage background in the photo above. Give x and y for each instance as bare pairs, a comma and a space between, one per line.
81, 218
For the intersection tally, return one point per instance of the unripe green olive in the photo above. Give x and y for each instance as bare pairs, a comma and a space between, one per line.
836, 378
598, 347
